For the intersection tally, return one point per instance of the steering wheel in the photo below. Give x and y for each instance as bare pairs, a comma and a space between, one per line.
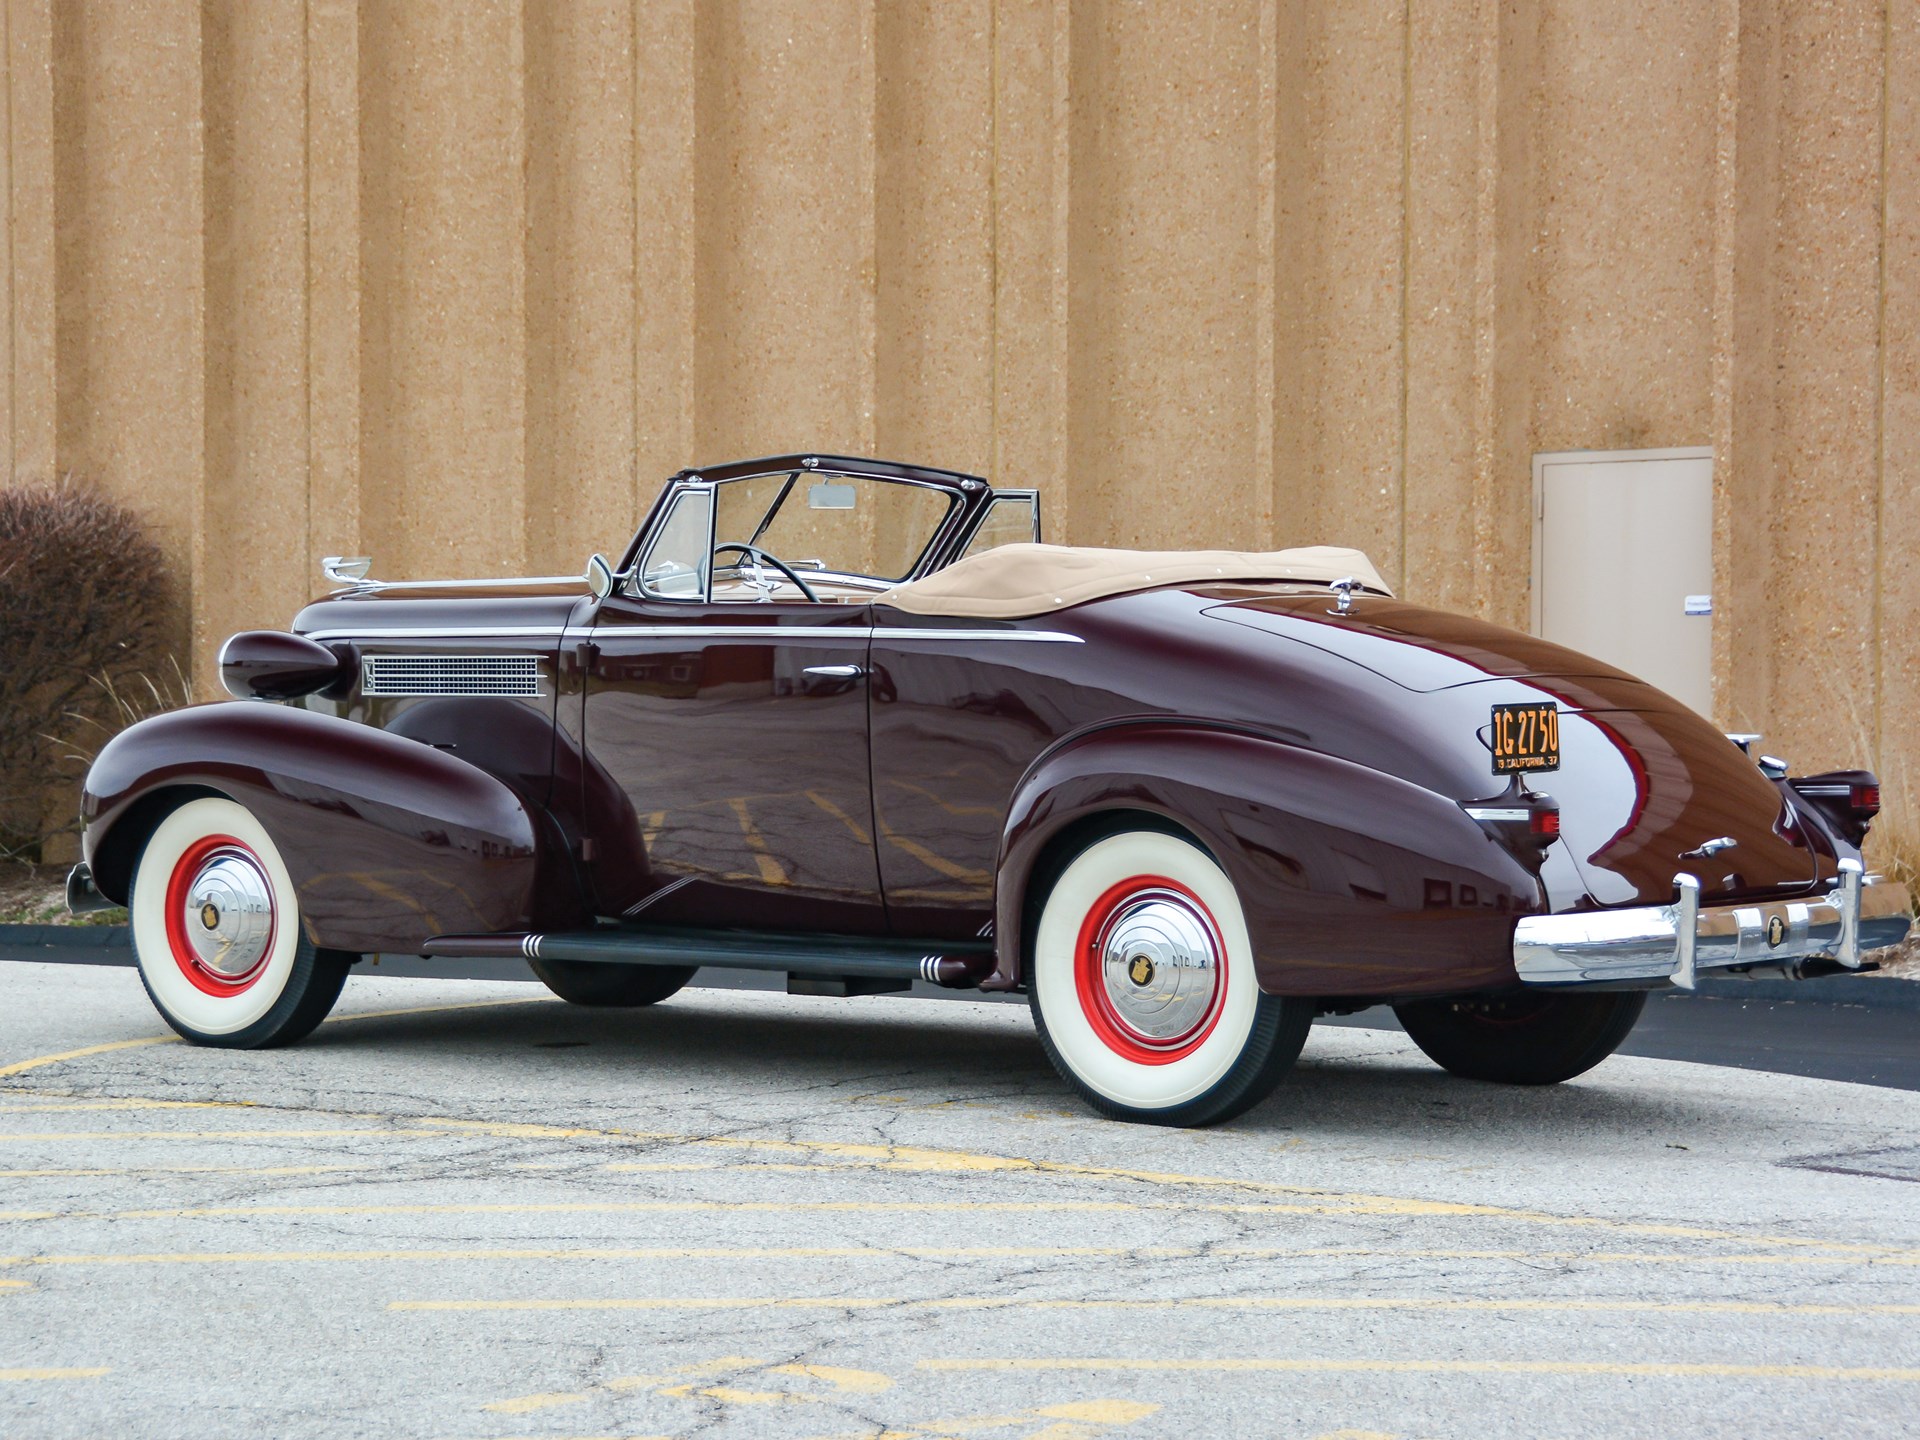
758, 555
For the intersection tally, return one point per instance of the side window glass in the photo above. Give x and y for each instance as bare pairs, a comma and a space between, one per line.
675, 565
1011, 520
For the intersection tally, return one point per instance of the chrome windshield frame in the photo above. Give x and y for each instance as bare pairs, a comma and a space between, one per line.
970, 498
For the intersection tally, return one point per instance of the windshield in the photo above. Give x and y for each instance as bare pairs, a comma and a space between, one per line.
840, 524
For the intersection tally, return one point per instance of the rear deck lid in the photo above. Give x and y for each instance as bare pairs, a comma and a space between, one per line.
1643, 782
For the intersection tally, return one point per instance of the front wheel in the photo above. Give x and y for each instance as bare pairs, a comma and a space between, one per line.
216, 932
1522, 1039
1142, 986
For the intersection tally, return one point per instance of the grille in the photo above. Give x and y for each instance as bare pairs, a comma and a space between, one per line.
450, 675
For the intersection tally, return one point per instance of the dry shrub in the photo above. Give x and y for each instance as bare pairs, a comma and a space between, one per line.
113, 705
1895, 853
83, 616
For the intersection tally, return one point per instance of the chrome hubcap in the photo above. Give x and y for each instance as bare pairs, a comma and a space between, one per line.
1160, 963
229, 915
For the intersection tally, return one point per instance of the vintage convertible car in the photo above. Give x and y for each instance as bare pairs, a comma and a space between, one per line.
848, 721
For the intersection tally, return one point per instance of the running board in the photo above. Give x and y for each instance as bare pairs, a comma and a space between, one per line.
952, 964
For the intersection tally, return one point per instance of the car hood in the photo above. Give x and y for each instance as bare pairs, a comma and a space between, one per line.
1643, 783
526, 612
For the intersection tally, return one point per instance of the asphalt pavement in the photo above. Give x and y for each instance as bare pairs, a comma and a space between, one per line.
465, 1209
1825, 1039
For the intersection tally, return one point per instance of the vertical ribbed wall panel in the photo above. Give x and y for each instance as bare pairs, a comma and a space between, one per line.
456, 285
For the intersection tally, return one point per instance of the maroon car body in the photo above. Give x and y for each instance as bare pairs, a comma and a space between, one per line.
455, 768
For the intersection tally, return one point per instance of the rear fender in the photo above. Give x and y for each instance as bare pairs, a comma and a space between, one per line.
388, 841
1353, 882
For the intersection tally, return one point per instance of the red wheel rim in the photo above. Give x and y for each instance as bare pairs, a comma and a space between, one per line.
191, 865
1094, 947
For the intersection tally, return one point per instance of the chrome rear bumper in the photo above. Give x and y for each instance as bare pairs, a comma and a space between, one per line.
1682, 941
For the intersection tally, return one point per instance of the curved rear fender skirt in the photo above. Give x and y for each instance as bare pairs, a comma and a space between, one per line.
388, 841
1354, 882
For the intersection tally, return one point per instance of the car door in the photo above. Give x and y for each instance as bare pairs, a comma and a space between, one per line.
736, 732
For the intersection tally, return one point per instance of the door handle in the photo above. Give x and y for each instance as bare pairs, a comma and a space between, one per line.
835, 672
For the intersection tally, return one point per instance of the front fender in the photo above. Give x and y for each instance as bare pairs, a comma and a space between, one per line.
387, 840
1354, 882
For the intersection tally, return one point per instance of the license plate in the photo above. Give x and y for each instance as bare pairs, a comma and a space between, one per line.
1525, 738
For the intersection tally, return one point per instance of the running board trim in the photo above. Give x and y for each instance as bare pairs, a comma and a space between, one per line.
950, 964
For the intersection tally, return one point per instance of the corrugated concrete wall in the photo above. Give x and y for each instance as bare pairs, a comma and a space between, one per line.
457, 284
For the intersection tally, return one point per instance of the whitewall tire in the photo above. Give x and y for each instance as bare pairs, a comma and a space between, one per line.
1142, 985
216, 932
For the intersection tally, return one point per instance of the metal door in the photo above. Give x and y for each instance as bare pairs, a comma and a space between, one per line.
1623, 563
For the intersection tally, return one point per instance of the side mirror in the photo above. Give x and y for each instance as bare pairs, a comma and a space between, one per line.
600, 577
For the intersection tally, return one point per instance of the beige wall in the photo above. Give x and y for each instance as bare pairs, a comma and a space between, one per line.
457, 285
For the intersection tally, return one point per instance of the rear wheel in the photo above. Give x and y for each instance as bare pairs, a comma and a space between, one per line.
589, 982
1142, 986
216, 932
1522, 1039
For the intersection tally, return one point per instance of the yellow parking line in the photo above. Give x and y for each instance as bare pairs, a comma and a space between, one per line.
1584, 1257
678, 1252
692, 1207
21, 1067
1341, 1206
642, 1207
1235, 1303
922, 1158
64, 1107
24, 1137
15, 1285
692, 1381
527, 1404
1264, 1364
909, 1157
54, 1374
695, 1207
121, 1171
1086, 1419
916, 1252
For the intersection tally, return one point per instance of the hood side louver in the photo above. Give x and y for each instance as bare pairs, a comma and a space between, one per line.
504, 675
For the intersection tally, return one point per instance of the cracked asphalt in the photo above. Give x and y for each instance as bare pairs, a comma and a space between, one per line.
465, 1209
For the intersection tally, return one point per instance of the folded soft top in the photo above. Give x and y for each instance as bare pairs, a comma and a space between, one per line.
1015, 580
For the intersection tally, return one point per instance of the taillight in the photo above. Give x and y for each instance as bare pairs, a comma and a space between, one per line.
1847, 799
1521, 819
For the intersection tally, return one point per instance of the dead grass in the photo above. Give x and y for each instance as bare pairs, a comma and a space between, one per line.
118, 704
37, 895
1896, 854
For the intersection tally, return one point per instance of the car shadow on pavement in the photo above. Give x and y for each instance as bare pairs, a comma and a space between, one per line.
1346, 1082
1406, 1093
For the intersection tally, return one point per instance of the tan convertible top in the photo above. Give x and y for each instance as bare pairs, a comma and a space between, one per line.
1015, 580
